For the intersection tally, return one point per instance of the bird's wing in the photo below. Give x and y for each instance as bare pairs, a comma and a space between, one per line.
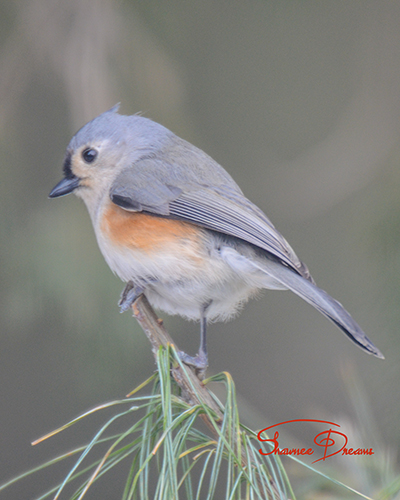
149, 187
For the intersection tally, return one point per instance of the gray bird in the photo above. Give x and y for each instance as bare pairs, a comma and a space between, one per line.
174, 225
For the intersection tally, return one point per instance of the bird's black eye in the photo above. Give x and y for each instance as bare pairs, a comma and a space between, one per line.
89, 155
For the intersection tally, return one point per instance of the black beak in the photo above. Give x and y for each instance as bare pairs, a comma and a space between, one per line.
65, 186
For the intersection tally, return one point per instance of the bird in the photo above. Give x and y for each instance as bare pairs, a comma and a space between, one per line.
174, 226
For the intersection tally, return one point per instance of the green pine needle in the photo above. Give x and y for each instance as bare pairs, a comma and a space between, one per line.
172, 453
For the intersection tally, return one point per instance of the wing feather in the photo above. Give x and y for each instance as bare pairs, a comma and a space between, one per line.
171, 190
209, 209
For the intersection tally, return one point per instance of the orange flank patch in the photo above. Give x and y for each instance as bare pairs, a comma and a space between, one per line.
147, 232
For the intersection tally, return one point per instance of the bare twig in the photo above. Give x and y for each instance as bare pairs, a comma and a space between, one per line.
158, 336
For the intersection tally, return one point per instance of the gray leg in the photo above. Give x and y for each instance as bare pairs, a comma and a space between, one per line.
128, 296
200, 361
203, 339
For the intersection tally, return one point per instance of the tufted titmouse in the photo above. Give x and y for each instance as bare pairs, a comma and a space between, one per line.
174, 225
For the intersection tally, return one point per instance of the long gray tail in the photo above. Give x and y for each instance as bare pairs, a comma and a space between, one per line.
323, 302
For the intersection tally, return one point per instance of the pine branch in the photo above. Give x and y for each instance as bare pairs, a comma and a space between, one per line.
193, 389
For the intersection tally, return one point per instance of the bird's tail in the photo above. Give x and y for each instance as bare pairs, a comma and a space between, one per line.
323, 302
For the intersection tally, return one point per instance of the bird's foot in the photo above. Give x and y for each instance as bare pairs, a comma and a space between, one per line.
128, 296
198, 362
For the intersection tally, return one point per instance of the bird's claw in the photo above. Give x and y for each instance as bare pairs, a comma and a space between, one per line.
198, 362
128, 296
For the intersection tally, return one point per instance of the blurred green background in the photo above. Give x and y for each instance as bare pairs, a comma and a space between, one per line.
299, 101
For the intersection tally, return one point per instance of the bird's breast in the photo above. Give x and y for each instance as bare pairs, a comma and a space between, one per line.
178, 260
136, 245
146, 233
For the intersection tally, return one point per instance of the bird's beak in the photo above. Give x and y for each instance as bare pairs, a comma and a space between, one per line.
65, 186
